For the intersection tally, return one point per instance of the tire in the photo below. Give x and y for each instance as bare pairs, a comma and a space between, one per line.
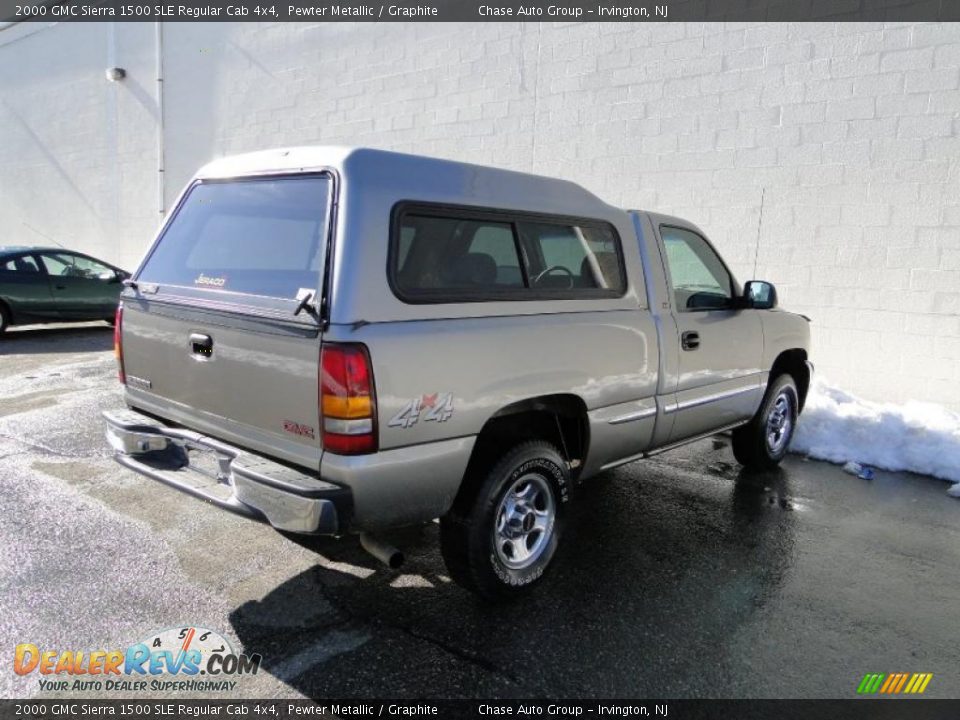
4, 318
763, 442
500, 541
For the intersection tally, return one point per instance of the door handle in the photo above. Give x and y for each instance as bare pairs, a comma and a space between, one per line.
690, 340
201, 345
61, 287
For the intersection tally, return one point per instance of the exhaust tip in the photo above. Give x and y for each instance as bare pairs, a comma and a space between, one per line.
382, 551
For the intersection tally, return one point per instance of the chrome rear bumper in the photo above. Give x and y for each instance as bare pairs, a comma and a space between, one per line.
232, 479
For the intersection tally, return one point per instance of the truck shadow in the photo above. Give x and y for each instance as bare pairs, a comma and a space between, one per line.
40, 339
653, 581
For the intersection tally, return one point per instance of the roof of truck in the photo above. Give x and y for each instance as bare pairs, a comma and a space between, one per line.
292, 159
413, 175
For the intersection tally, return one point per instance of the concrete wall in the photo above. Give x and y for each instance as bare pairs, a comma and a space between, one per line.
823, 157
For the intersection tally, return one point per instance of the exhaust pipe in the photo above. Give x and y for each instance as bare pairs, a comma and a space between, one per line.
384, 552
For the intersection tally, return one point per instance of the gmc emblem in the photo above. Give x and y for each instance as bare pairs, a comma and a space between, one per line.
298, 429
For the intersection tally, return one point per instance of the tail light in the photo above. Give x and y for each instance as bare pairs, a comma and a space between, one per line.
118, 343
348, 406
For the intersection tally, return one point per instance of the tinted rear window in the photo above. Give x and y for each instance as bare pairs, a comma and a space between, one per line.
259, 237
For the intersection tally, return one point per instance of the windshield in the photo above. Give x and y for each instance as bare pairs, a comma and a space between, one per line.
258, 237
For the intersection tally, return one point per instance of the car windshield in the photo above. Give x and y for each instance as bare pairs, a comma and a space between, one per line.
258, 237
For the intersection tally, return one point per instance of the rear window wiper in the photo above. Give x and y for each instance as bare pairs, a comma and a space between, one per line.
146, 288
306, 304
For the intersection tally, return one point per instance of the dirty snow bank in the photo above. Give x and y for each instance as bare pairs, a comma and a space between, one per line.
916, 437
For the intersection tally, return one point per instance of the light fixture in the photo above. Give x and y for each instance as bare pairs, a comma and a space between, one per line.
115, 74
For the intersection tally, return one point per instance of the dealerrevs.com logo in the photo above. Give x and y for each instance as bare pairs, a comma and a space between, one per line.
188, 658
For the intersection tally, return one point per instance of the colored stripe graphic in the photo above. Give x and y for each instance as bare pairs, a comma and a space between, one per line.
903, 681
870, 683
894, 683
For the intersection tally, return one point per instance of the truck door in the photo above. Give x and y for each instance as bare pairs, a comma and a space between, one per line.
719, 347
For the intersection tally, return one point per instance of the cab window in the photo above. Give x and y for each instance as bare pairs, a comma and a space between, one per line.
699, 278
571, 257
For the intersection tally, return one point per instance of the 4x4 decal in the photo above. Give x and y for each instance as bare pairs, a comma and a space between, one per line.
432, 408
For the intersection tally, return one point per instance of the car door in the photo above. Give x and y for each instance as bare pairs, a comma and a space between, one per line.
24, 288
719, 347
83, 288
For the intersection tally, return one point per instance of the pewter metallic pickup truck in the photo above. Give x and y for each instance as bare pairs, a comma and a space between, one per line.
339, 341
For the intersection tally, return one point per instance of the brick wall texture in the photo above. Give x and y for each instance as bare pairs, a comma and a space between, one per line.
822, 157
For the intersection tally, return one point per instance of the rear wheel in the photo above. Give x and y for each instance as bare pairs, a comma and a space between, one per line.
499, 542
763, 442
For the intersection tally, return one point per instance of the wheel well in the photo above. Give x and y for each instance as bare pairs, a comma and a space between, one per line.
794, 362
559, 419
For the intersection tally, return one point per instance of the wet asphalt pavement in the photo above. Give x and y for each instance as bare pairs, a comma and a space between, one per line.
677, 578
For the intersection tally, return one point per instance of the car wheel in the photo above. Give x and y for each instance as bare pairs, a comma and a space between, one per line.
500, 544
763, 442
4, 318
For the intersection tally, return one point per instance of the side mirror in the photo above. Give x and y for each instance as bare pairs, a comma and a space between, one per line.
760, 295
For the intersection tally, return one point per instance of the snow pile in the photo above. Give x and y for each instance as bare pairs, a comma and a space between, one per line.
916, 437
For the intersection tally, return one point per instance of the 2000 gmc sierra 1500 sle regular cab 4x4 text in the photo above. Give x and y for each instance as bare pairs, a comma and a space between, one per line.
358, 340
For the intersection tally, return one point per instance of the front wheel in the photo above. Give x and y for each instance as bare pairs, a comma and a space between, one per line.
499, 543
762, 443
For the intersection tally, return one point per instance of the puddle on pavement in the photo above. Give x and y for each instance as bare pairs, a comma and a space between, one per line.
33, 401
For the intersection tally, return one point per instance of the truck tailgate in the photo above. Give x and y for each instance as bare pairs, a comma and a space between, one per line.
254, 384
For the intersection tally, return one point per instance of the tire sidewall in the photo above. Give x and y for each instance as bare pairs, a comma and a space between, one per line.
784, 382
549, 465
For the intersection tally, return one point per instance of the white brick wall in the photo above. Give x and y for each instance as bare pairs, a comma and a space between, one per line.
847, 132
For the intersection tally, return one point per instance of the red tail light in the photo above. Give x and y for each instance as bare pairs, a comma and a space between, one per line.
348, 405
118, 343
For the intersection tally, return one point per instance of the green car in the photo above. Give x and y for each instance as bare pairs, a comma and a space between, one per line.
43, 285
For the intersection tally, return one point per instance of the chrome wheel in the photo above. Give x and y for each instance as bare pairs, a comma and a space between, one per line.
524, 522
780, 422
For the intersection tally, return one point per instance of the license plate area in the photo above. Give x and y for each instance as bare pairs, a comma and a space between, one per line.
209, 463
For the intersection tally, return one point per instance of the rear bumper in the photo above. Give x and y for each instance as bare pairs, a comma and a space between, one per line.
232, 479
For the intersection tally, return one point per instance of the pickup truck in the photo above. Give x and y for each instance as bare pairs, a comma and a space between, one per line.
340, 341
